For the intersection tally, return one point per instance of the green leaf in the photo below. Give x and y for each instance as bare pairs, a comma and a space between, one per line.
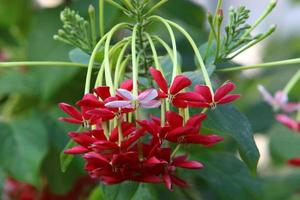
79, 56
228, 121
123, 191
281, 187
66, 159
167, 65
228, 177
26, 139
142, 193
284, 144
96, 194
2, 179
197, 76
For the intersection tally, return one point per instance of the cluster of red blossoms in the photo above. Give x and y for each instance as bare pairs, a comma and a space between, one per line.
118, 146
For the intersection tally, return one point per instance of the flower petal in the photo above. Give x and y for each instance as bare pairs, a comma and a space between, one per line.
180, 82
125, 94
223, 90
127, 85
70, 110
159, 79
206, 140
229, 98
77, 150
103, 92
148, 95
150, 104
119, 104
174, 119
89, 100
294, 162
288, 122
204, 91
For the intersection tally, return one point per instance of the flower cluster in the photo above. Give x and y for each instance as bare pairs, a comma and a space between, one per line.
118, 145
280, 102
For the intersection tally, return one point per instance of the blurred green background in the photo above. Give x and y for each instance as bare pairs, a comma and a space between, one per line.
32, 138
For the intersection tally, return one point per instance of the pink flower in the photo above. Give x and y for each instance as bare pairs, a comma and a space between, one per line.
279, 101
294, 162
288, 122
145, 99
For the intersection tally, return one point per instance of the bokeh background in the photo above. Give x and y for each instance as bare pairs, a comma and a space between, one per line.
31, 143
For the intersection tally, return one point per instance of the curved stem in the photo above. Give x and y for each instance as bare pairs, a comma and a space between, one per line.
174, 47
293, 81
122, 69
118, 45
41, 64
108, 77
165, 45
91, 64
154, 52
262, 65
135, 68
118, 65
197, 53
156, 6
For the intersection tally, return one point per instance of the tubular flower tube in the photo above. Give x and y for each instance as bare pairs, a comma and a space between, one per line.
289, 122
117, 149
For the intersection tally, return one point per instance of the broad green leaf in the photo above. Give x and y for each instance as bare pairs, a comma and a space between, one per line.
281, 187
123, 191
26, 139
2, 179
284, 144
228, 121
142, 193
228, 177
96, 194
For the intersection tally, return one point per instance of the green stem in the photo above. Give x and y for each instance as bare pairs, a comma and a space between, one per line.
211, 34
41, 64
156, 6
93, 24
135, 68
165, 45
118, 65
174, 47
91, 64
175, 150
154, 52
108, 77
122, 69
292, 82
268, 10
116, 5
101, 17
262, 65
163, 113
197, 53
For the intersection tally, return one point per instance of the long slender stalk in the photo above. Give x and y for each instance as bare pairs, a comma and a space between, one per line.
154, 52
197, 53
156, 6
101, 17
165, 45
262, 65
293, 81
41, 64
92, 15
172, 36
118, 65
135, 68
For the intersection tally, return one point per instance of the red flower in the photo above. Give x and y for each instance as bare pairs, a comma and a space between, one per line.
294, 162
288, 122
206, 99
180, 82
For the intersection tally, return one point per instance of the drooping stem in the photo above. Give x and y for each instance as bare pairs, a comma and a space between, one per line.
119, 64
135, 68
101, 18
154, 52
92, 15
197, 53
262, 65
156, 6
108, 77
165, 45
174, 46
41, 64
293, 81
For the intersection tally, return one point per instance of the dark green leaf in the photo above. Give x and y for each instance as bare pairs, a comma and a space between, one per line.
25, 138
228, 177
284, 144
79, 56
66, 159
96, 194
142, 193
123, 191
228, 121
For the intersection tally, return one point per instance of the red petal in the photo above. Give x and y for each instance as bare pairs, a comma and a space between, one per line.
206, 140
127, 85
223, 90
109, 180
70, 120
159, 79
103, 92
70, 110
105, 114
77, 150
168, 182
205, 92
179, 103
288, 122
176, 133
199, 104
174, 119
180, 161
294, 162
82, 139
195, 121
179, 182
228, 98
89, 100
180, 82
